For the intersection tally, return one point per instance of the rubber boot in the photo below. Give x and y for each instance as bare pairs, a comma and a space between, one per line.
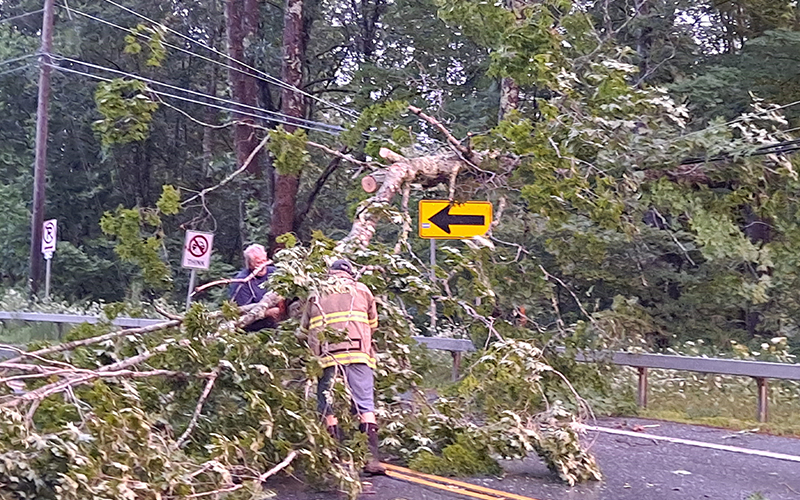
373, 465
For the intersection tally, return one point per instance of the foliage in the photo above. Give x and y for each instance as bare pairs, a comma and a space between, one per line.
155, 44
127, 111
140, 236
288, 150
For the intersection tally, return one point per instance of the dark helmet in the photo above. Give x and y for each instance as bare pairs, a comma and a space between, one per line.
342, 265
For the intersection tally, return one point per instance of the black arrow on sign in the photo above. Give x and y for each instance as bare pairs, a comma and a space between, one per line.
443, 219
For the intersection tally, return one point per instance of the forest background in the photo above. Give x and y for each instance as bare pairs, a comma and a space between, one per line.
703, 251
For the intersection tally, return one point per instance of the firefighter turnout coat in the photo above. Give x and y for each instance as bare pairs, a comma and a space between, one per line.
347, 306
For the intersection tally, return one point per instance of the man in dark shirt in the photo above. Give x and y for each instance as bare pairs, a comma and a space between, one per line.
251, 285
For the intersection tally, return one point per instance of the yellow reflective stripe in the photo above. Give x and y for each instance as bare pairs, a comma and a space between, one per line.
373, 323
339, 314
348, 358
331, 319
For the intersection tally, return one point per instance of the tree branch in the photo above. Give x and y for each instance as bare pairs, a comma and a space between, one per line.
193, 422
312, 197
286, 461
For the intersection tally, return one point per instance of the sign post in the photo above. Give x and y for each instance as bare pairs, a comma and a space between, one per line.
49, 233
446, 220
196, 255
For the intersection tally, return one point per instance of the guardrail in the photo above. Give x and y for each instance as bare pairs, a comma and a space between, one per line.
758, 370
74, 319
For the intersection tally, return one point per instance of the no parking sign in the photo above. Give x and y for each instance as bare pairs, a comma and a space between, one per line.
197, 250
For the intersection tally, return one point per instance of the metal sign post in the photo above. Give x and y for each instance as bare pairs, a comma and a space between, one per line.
49, 238
196, 255
447, 220
433, 278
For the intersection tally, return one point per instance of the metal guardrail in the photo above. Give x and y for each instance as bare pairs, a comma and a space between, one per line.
759, 370
74, 319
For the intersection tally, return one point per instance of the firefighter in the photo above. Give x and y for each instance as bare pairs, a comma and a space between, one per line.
348, 306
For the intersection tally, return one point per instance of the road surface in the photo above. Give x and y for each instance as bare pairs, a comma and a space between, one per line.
634, 469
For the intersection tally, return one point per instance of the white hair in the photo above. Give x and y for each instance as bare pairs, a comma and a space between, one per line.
252, 249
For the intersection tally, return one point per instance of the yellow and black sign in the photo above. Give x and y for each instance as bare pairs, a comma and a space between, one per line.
443, 220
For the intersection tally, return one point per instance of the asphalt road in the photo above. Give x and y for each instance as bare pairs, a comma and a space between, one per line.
634, 469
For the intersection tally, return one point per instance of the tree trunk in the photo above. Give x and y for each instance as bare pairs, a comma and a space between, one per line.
509, 88
241, 17
292, 104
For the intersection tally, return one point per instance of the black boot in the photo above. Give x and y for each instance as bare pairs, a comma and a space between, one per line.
373, 465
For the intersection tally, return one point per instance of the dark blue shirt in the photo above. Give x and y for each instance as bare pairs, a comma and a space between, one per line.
250, 293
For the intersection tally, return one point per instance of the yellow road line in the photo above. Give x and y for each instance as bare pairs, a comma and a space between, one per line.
452, 489
451, 485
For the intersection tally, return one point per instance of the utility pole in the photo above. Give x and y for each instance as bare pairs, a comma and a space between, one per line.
40, 163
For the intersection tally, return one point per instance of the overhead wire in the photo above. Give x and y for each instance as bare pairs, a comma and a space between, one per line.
20, 58
20, 16
6, 72
264, 113
194, 101
267, 76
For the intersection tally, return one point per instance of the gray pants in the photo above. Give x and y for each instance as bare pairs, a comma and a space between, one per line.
360, 382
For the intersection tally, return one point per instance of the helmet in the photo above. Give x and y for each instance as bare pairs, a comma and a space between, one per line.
342, 265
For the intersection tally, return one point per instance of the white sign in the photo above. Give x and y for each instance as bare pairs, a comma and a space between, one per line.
197, 250
49, 232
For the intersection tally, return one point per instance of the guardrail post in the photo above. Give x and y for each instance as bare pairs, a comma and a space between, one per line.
456, 364
763, 399
642, 393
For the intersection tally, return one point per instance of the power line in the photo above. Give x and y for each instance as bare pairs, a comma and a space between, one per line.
21, 16
271, 115
3, 73
194, 101
269, 77
166, 44
783, 147
15, 59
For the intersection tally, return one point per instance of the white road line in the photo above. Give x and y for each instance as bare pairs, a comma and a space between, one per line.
689, 442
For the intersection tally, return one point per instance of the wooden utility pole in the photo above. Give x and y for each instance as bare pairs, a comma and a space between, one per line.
40, 163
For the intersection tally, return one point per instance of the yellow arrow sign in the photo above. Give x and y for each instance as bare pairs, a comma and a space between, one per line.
441, 220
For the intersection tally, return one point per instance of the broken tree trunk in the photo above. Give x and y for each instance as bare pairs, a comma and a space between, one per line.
403, 170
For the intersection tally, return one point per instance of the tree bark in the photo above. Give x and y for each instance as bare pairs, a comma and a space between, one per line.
400, 172
241, 18
509, 88
292, 104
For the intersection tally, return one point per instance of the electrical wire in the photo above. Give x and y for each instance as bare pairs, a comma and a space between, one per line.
20, 58
271, 115
167, 44
194, 101
423, 137
777, 148
6, 72
21, 16
272, 79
